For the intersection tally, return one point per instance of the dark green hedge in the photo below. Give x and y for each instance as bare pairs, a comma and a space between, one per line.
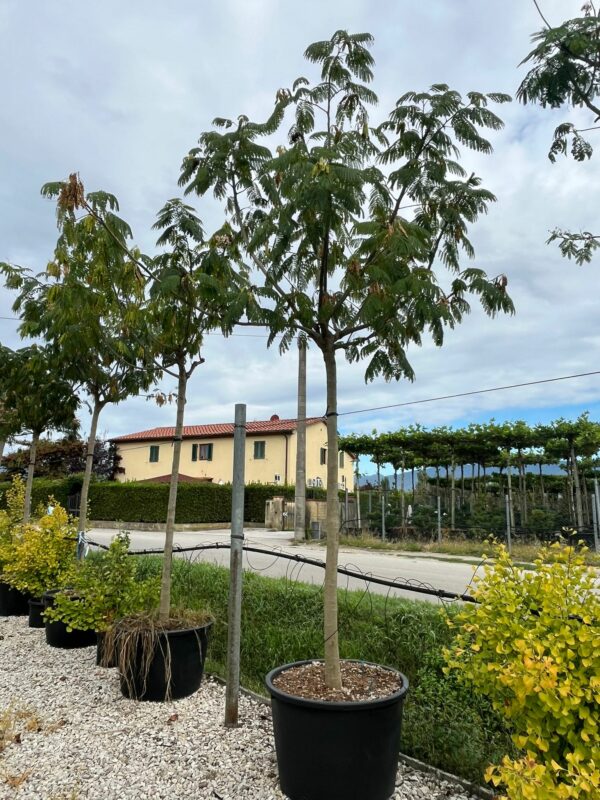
196, 502
147, 502
59, 488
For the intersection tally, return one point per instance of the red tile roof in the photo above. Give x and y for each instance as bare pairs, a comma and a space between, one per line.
216, 430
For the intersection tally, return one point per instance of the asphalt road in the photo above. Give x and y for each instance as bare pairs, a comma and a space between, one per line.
415, 569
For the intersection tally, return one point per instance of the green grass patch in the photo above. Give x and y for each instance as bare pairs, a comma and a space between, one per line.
444, 724
521, 552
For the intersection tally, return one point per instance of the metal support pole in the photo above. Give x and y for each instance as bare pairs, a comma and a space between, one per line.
596, 513
383, 515
439, 519
232, 689
357, 495
347, 510
508, 536
300, 488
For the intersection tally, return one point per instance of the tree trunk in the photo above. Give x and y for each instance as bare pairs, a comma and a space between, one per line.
413, 485
87, 475
165, 587
542, 486
462, 484
333, 677
452, 496
2, 446
30, 470
300, 489
357, 491
402, 510
578, 506
511, 509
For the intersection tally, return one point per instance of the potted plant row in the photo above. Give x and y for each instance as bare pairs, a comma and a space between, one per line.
103, 600
13, 602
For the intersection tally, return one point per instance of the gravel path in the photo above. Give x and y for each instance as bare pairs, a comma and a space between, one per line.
72, 736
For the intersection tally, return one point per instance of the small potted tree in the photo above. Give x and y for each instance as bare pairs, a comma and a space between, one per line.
104, 588
187, 291
13, 602
345, 231
39, 559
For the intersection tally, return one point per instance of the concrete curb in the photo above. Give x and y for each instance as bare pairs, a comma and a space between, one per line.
414, 763
159, 527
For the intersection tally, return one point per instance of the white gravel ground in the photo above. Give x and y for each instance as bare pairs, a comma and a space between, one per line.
79, 739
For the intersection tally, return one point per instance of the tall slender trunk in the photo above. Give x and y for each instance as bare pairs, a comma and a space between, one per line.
357, 490
402, 510
30, 470
578, 506
462, 484
165, 587
511, 510
2, 446
300, 488
395, 478
333, 676
542, 485
87, 475
413, 485
452, 496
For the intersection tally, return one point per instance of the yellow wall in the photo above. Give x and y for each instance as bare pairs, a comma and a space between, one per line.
136, 459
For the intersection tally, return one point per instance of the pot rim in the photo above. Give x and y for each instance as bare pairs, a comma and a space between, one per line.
334, 705
183, 631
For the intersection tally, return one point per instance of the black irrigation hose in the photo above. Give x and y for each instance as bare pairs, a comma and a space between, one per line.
442, 594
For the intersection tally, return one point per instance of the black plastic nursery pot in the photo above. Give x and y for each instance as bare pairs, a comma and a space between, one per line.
181, 653
36, 607
57, 634
327, 750
13, 603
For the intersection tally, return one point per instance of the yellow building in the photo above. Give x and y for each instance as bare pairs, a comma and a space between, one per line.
207, 453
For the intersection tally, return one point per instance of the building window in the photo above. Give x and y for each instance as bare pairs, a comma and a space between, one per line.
206, 452
323, 455
341, 459
194, 452
154, 448
259, 449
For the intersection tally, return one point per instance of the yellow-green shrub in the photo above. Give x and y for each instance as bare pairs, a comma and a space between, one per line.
39, 554
13, 513
533, 647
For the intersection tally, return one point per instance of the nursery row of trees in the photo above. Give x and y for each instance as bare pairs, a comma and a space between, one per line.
496, 457
350, 233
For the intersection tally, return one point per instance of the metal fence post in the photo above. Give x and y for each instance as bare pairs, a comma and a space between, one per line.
508, 536
232, 689
439, 519
596, 518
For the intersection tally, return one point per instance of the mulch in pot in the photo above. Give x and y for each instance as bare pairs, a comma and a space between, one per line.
360, 681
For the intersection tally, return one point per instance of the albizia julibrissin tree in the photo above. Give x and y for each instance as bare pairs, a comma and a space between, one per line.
351, 233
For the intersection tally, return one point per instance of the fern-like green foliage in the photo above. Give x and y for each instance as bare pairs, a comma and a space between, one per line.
565, 72
347, 226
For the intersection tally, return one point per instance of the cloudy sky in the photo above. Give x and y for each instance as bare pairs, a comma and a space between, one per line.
120, 91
